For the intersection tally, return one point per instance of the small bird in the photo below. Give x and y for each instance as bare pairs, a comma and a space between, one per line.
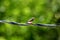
30, 20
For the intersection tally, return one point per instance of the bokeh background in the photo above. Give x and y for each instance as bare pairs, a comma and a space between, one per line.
44, 11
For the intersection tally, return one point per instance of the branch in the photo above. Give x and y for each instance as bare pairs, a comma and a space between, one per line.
27, 24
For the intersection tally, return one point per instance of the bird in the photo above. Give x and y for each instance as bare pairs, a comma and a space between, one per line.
30, 21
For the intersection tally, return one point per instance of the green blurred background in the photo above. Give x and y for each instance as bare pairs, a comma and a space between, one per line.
44, 11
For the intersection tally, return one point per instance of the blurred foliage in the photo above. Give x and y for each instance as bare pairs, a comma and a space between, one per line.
44, 11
